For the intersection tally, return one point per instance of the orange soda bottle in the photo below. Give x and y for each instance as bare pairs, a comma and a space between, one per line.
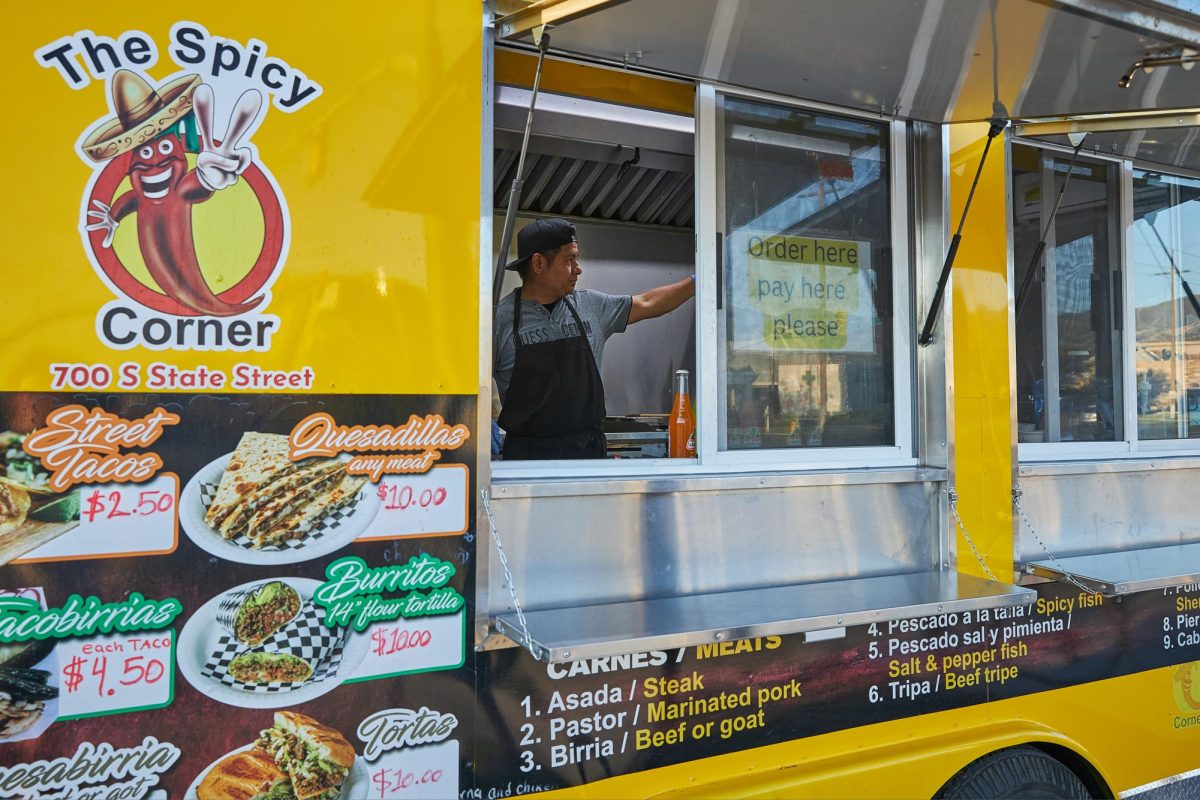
681, 426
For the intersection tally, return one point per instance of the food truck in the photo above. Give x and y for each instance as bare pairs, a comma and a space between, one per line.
936, 538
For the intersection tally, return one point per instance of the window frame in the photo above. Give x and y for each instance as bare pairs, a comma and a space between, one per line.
712, 460
1155, 447
902, 452
1131, 446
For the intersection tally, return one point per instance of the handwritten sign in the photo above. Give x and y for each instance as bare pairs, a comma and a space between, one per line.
413, 645
119, 520
431, 504
429, 773
114, 674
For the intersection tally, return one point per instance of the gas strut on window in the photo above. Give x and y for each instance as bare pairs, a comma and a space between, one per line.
997, 124
1150, 217
514, 195
1027, 283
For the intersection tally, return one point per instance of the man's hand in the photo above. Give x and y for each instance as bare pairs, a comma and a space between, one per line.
218, 166
661, 300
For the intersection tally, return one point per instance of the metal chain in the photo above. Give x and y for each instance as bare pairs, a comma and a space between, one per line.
952, 498
1067, 576
512, 589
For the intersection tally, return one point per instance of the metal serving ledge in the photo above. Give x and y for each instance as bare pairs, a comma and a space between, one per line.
569, 634
1126, 571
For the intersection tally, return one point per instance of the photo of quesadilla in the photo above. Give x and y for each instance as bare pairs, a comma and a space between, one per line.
297, 518
261, 667
297, 759
31, 513
260, 458
256, 499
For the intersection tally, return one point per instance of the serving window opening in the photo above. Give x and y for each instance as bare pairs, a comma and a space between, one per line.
623, 176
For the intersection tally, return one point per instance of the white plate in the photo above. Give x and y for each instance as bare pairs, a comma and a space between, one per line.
191, 515
50, 712
199, 637
353, 788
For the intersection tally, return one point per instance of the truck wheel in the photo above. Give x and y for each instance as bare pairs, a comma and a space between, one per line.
1016, 772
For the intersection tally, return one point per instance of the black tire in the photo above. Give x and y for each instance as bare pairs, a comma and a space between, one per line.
1016, 772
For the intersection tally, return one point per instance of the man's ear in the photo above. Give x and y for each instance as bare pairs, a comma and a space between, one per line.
537, 264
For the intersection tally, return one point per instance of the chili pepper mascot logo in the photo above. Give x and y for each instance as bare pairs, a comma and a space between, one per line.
1186, 683
148, 176
208, 233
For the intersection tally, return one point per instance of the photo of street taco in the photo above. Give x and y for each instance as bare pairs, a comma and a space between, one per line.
14, 506
261, 667
264, 612
316, 757
19, 469
31, 513
258, 507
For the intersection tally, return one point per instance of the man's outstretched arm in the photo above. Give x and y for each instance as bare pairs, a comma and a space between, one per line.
661, 300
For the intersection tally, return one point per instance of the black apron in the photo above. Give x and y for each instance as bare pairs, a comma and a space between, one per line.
555, 400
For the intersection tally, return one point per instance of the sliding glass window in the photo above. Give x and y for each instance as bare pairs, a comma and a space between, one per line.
1068, 340
1164, 245
808, 324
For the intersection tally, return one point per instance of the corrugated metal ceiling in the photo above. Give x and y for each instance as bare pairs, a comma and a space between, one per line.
622, 165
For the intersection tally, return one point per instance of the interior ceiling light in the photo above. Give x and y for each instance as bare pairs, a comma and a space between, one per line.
1160, 57
1149, 119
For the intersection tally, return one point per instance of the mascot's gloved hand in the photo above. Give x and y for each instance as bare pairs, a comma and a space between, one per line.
218, 166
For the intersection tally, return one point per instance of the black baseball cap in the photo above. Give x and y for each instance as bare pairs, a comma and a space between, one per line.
542, 235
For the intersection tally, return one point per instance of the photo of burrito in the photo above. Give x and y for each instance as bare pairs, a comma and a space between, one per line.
31, 514
266, 644
262, 667
264, 612
296, 759
257, 506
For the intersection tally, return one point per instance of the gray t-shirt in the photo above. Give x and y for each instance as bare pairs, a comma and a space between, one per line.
602, 315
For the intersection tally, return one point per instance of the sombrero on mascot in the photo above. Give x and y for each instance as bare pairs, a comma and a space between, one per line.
143, 113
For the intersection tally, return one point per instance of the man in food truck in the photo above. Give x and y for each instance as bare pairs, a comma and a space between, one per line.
548, 341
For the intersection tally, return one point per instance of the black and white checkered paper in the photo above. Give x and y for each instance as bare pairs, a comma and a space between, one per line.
326, 525
304, 637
